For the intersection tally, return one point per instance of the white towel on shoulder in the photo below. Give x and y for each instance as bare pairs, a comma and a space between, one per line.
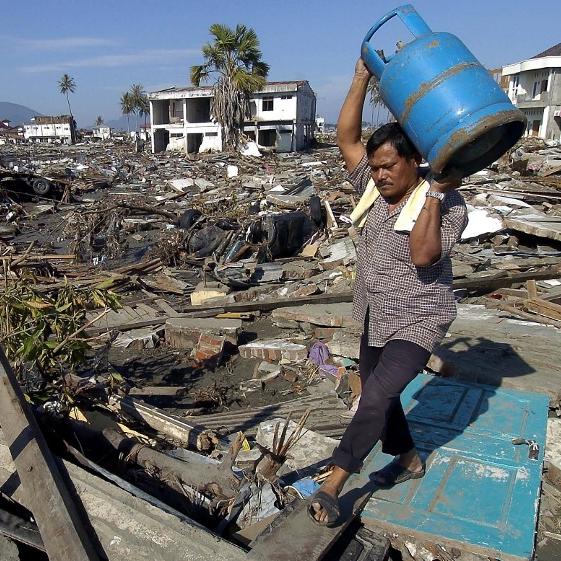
408, 215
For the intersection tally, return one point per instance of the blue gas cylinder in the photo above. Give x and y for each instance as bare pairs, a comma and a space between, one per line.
446, 101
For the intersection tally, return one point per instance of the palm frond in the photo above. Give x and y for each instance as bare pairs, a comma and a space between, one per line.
199, 73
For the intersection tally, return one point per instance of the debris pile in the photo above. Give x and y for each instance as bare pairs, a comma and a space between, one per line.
182, 326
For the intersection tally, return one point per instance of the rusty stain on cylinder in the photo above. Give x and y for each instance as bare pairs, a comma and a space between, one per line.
466, 135
434, 83
434, 43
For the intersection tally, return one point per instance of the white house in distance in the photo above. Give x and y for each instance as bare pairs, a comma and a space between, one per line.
283, 117
45, 128
102, 131
534, 86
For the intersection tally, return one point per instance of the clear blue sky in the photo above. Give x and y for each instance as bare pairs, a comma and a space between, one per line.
107, 45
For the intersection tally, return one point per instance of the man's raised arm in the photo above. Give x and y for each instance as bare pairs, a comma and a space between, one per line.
349, 125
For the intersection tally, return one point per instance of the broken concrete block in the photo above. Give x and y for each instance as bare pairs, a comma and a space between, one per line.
267, 371
342, 252
345, 343
302, 291
286, 323
203, 184
274, 349
182, 185
203, 293
331, 315
137, 339
210, 347
232, 171
310, 449
184, 333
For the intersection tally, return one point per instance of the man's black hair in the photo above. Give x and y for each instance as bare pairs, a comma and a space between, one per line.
392, 133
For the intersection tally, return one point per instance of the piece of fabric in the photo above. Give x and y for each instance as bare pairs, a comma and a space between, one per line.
406, 302
384, 372
319, 353
408, 215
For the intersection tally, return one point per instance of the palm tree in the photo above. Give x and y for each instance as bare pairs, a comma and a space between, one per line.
67, 85
234, 58
376, 100
127, 107
98, 121
141, 105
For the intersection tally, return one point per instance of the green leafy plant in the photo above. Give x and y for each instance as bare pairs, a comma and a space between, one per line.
46, 330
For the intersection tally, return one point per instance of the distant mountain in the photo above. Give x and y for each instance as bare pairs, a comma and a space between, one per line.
121, 123
18, 114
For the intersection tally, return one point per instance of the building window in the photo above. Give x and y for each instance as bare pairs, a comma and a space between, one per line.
267, 104
286, 97
211, 134
544, 86
535, 89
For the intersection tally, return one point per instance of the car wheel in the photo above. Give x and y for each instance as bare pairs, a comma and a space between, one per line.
41, 186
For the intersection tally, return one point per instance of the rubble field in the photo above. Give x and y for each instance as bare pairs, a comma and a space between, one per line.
182, 327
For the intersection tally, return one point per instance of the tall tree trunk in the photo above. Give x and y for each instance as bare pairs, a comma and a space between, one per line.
68, 101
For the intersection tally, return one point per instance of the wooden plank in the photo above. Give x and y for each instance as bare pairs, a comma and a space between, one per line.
521, 313
189, 435
504, 281
532, 288
130, 524
53, 506
544, 308
294, 535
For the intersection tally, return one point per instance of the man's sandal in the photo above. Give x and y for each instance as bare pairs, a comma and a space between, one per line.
394, 474
329, 504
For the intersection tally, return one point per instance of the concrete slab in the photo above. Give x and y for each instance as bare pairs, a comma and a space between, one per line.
331, 315
489, 347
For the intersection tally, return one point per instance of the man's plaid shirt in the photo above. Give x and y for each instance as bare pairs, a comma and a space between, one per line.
404, 301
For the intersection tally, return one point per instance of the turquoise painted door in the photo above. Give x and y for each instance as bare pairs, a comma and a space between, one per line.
479, 488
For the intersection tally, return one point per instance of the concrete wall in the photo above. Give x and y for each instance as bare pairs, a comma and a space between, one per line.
58, 131
284, 106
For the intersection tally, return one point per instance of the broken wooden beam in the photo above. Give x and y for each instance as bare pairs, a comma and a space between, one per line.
188, 435
54, 507
294, 535
502, 280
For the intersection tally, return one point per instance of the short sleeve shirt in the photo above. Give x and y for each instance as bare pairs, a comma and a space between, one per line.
403, 301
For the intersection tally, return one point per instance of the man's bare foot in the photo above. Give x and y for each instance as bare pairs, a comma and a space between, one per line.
325, 509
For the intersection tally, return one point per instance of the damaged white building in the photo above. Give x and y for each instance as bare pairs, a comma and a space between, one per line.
283, 117
47, 128
534, 86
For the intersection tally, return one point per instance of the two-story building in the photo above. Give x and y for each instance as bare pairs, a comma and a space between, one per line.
283, 117
534, 86
45, 128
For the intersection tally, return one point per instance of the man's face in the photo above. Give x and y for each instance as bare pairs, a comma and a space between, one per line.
393, 174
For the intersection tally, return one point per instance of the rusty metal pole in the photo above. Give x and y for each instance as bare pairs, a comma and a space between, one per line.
53, 506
